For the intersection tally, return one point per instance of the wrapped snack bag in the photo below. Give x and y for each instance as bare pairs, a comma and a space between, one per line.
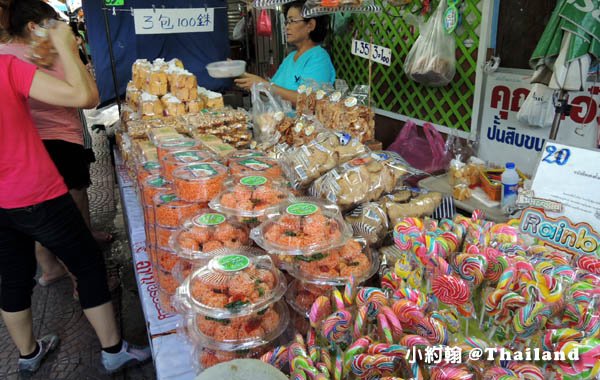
184, 84
268, 111
328, 150
322, 101
140, 73
150, 106
362, 179
172, 105
157, 82
194, 106
357, 118
405, 203
132, 95
211, 99
41, 51
370, 221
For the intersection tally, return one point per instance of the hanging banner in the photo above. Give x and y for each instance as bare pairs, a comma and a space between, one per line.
504, 139
169, 21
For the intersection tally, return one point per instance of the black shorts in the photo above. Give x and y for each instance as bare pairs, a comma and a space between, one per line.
72, 162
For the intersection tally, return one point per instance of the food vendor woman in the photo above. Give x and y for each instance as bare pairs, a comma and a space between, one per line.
308, 62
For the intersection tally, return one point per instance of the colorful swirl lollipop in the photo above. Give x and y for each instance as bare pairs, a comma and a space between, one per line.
359, 346
369, 294
471, 268
350, 291
319, 310
530, 319
337, 298
451, 372
590, 263
336, 326
453, 291
368, 366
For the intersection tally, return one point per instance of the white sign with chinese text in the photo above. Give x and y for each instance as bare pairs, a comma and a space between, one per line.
167, 21
503, 138
378, 53
571, 176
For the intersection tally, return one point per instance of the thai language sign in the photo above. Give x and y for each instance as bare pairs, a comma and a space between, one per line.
167, 21
504, 139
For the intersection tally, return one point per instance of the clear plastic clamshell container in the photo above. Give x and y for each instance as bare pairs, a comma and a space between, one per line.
170, 211
237, 333
232, 284
184, 157
153, 185
206, 357
174, 145
244, 153
249, 166
185, 267
301, 295
335, 266
302, 227
206, 232
250, 198
199, 182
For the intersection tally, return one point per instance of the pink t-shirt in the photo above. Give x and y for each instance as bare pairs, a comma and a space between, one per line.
27, 174
52, 122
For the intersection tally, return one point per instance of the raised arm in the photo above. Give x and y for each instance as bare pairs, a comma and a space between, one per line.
78, 89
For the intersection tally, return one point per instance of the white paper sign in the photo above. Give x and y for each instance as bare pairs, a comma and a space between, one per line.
167, 21
571, 176
378, 53
504, 139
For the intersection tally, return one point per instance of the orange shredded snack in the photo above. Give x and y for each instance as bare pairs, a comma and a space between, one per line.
152, 186
177, 159
250, 166
209, 358
166, 259
166, 281
303, 231
170, 211
199, 182
254, 326
165, 302
146, 170
342, 262
179, 144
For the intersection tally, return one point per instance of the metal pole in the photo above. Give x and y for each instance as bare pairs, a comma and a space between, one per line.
111, 54
563, 98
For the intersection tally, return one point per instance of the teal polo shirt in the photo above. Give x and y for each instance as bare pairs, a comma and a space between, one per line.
314, 64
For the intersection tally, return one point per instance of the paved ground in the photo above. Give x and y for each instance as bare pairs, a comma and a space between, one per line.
54, 310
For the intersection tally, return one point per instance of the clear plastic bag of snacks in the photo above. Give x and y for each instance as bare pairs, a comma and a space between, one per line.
207, 232
302, 227
233, 284
363, 179
335, 266
250, 198
329, 149
268, 110
370, 221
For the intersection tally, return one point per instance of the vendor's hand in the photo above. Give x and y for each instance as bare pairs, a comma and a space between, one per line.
246, 81
62, 36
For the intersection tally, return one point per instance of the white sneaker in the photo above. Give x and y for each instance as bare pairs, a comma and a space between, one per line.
47, 344
129, 356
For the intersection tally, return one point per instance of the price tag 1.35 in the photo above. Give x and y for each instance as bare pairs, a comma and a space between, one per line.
377, 53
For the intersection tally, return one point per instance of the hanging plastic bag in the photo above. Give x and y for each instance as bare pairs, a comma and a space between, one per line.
425, 153
538, 108
431, 61
263, 28
239, 30
268, 110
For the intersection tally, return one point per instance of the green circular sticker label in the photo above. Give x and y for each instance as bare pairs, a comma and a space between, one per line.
302, 209
254, 180
157, 182
151, 165
211, 219
233, 263
167, 198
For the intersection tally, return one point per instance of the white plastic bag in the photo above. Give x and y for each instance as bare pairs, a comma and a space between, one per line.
268, 110
239, 30
431, 61
538, 108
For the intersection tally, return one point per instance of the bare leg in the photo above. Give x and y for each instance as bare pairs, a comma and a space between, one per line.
103, 321
52, 268
83, 204
20, 328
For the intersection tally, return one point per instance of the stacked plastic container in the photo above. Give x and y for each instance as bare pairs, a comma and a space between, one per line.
232, 306
310, 239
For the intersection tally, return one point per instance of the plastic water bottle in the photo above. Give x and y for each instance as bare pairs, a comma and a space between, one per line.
510, 183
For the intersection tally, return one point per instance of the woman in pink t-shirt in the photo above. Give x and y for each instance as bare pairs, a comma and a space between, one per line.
60, 128
35, 205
